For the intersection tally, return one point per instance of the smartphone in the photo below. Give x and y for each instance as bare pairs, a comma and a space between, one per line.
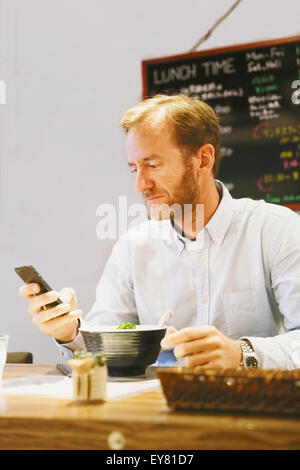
29, 274
66, 370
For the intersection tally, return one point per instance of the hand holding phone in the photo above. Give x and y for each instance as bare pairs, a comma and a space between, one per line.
53, 317
31, 276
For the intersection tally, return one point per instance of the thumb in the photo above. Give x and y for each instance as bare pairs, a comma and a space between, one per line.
170, 330
67, 294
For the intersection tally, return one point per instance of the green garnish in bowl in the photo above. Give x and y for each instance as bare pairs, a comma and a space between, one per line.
126, 326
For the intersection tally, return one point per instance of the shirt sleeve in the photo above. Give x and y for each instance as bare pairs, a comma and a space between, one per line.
115, 301
283, 351
67, 349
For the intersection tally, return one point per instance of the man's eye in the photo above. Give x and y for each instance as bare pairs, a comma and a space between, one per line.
133, 170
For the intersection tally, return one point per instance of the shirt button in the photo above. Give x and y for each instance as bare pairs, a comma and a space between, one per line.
204, 300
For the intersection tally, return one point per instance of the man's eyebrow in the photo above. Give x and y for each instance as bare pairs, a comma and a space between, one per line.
146, 159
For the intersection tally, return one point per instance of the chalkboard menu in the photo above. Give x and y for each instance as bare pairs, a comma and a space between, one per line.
255, 91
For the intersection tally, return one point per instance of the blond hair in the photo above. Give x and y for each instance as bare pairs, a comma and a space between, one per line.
194, 122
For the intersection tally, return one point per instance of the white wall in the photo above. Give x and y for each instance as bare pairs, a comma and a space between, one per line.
71, 68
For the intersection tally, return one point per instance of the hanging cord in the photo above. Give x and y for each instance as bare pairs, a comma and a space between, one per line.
206, 36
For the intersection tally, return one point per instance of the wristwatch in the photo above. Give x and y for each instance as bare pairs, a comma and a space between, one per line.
249, 358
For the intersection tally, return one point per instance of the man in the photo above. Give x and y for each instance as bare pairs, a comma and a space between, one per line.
231, 276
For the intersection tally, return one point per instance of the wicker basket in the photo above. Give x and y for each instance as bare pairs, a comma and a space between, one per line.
240, 390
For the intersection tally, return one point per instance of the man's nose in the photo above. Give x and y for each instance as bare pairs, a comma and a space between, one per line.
142, 182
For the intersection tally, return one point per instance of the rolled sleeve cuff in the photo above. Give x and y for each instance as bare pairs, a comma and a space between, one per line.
67, 349
275, 353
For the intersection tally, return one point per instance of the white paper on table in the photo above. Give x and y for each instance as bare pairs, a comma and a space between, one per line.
57, 386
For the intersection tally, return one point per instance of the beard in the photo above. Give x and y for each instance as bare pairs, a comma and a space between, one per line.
182, 199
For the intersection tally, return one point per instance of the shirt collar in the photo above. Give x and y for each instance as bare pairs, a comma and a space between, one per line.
216, 227
219, 223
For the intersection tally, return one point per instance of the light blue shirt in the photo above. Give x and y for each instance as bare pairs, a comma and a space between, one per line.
242, 275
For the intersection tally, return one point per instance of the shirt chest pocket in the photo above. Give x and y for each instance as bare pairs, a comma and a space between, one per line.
240, 313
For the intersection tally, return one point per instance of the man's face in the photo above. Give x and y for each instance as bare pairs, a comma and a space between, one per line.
164, 176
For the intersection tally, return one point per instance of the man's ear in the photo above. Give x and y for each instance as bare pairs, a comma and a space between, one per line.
206, 158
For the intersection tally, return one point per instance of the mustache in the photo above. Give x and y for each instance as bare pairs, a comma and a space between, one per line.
148, 194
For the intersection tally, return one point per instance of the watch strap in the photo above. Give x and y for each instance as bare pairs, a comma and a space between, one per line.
246, 348
248, 354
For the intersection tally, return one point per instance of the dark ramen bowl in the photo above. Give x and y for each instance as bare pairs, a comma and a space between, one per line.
128, 352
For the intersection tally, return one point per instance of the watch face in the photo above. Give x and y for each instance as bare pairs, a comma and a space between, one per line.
251, 361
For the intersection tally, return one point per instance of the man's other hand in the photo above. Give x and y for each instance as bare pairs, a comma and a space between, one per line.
204, 346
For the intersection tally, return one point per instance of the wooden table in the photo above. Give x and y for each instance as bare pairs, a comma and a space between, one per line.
138, 422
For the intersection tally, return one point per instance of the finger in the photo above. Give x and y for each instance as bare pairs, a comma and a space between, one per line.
55, 324
37, 303
170, 330
46, 315
187, 334
67, 294
28, 290
204, 359
196, 346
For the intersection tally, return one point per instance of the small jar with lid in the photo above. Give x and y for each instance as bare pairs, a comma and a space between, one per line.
89, 375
